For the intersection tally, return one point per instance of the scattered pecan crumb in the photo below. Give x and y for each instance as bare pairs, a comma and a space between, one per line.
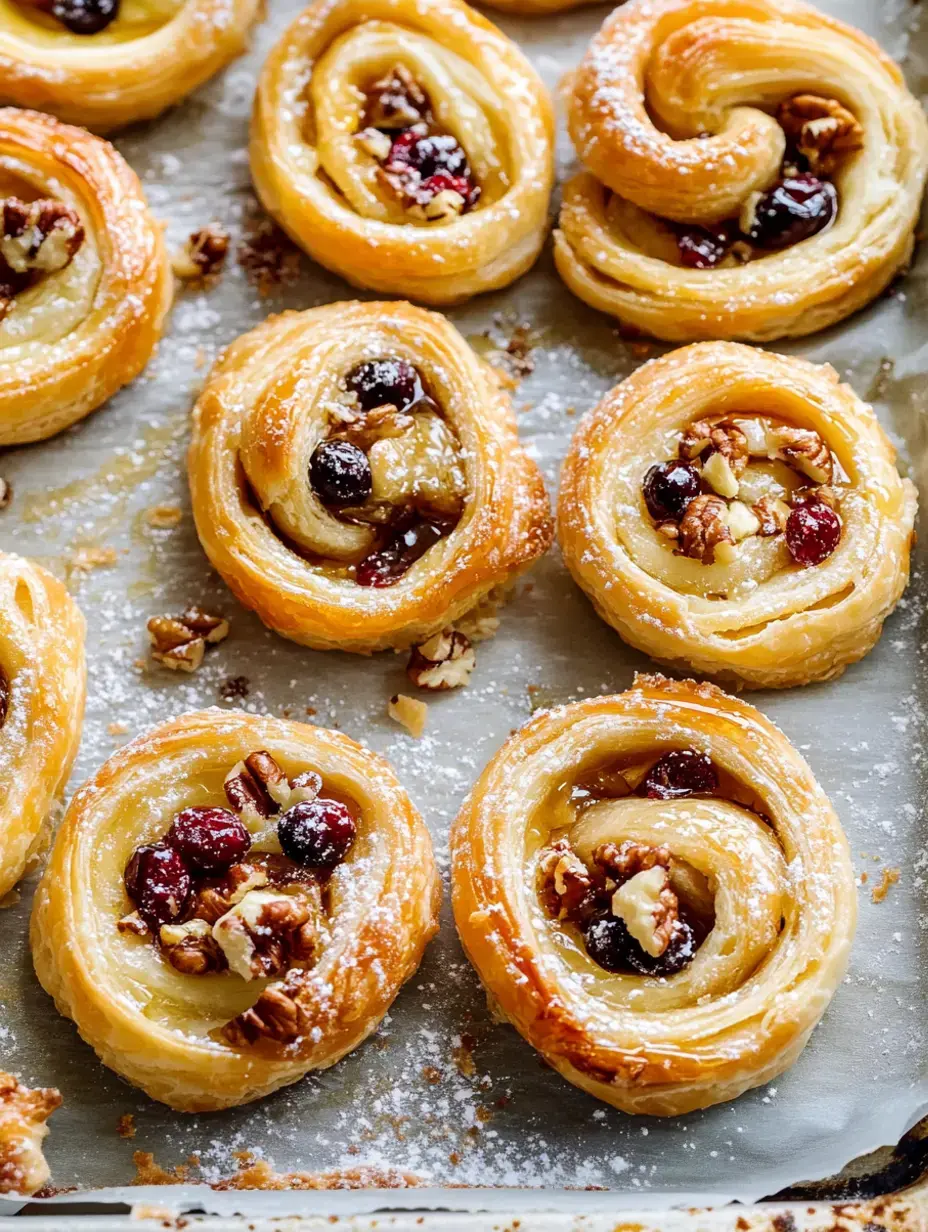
179, 642
163, 517
888, 878
203, 255
234, 688
821, 129
268, 256
463, 1055
125, 1126
409, 712
444, 661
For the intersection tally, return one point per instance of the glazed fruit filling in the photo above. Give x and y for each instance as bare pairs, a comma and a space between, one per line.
423, 168
622, 900
820, 133
243, 888
79, 16
391, 462
744, 476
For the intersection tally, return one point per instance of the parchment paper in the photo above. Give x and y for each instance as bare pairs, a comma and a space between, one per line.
441, 1090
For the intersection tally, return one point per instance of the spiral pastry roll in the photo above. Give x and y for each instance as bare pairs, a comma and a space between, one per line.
231, 902
84, 279
103, 64
753, 170
408, 147
738, 513
41, 706
656, 893
357, 478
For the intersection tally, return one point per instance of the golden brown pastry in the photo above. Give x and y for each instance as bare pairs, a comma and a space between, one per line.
231, 902
42, 679
753, 169
23, 1115
656, 893
408, 147
84, 280
107, 63
739, 514
357, 478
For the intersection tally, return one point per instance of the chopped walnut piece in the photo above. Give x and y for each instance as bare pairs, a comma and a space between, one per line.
821, 129
382, 423
258, 789
375, 143
178, 642
134, 925
215, 898
649, 908
397, 101
409, 712
445, 204
721, 438
254, 935
803, 450
704, 533
444, 661
564, 881
190, 948
625, 860
23, 1113
203, 255
771, 514
40, 237
274, 1016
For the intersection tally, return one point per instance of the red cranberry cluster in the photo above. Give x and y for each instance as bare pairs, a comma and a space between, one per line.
798, 207
427, 163
203, 841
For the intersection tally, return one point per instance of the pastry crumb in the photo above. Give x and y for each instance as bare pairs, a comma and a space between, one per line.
86, 559
163, 517
409, 712
888, 879
117, 729
125, 1126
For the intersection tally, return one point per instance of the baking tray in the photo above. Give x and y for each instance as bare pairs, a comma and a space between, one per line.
441, 1091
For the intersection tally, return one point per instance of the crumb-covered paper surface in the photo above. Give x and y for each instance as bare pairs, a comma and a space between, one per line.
442, 1092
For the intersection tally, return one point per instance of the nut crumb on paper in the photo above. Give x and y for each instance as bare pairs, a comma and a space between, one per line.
888, 878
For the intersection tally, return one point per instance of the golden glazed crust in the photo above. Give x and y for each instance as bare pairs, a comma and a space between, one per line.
42, 679
23, 1115
310, 104
743, 1009
161, 1029
263, 411
151, 56
719, 67
81, 333
781, 624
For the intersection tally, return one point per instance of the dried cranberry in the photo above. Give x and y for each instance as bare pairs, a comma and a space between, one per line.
412, 537
611, 945
795, 209
209, 839
427, 153
704, 248
668, 488
158, 882
380, 382
813, 531
317, 833
85, 16
681, 772
340, 473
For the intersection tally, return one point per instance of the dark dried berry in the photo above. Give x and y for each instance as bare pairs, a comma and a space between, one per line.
813, 531
411, 539
317, 833
427, 153
704, 248
681, 772
668, 489
793, 210
85, 16
611, 945
382, 382
209, 839
340, 473
158, 882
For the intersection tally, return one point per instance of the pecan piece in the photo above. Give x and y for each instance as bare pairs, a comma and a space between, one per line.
564, 882
203, 255
190, 947
179, 642
214, 898
397, 101
702, 439
802, 449
704, 533
444, 661
40, 237
821, 129
255, 934
257, 788
274, 1016
629, 858
772, 515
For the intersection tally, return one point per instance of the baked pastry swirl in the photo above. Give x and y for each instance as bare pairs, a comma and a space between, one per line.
231, 902
656, 894
84, 279
738, 513
42, 679
107, 63
357, 479
407, 147
752, 170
